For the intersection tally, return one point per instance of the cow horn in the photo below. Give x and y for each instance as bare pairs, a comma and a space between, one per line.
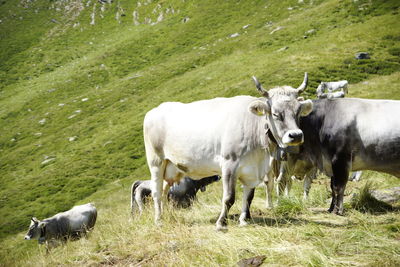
259, 87
304, 84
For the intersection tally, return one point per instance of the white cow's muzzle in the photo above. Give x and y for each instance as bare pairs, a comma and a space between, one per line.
293, 138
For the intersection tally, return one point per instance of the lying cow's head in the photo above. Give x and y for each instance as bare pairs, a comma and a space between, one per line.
36, 230
283, 108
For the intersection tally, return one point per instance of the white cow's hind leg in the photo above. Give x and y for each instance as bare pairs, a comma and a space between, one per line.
157, 173
228, 198
248, 195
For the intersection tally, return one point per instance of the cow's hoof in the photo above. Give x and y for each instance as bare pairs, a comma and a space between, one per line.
243, 223
243, 219
221, 228
339, 212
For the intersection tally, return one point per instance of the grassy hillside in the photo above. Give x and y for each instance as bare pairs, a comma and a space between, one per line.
77, 78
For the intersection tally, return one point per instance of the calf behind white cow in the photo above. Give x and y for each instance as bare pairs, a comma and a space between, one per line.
68, 224
221, 136
182, 195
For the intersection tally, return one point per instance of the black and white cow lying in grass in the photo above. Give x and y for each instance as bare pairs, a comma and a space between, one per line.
69, 224
182, 195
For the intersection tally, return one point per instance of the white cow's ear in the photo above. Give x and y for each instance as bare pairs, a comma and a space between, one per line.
300, 98
259, 107
306, 107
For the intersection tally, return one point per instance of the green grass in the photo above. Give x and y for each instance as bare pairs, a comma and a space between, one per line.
125, 70
365, 202
188, 237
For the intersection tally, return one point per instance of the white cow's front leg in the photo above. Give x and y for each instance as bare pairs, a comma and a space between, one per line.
248, 195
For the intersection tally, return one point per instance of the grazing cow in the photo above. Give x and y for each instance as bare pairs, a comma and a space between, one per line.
221, 136
350, 134
335, 89
181, 194
69, 224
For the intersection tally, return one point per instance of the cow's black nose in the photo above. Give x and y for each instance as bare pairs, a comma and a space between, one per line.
296, 135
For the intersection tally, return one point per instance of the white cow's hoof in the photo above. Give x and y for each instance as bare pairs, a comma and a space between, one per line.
242, 220
243, 223
221, 228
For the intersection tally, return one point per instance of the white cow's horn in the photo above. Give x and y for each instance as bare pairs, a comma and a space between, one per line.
303, 86
259, 87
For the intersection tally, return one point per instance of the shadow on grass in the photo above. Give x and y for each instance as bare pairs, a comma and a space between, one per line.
365, 202
264, 220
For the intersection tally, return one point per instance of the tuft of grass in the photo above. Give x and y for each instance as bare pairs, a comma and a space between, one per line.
363, 201
289, 206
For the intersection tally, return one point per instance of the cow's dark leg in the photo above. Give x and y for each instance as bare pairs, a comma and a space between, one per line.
308, 178
228, 198
339, 179
248, 195
333, 202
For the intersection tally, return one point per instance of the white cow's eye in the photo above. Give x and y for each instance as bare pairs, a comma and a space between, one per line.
276, 116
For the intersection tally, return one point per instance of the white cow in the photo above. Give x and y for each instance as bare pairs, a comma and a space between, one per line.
221, 136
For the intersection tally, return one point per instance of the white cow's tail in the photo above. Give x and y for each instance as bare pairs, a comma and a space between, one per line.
133, 193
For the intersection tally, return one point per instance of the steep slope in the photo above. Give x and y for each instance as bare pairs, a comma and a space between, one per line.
77, 78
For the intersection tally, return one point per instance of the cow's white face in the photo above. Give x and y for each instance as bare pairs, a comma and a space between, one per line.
34, 230
283, 113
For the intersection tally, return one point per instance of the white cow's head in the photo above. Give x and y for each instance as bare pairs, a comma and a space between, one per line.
283, 108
